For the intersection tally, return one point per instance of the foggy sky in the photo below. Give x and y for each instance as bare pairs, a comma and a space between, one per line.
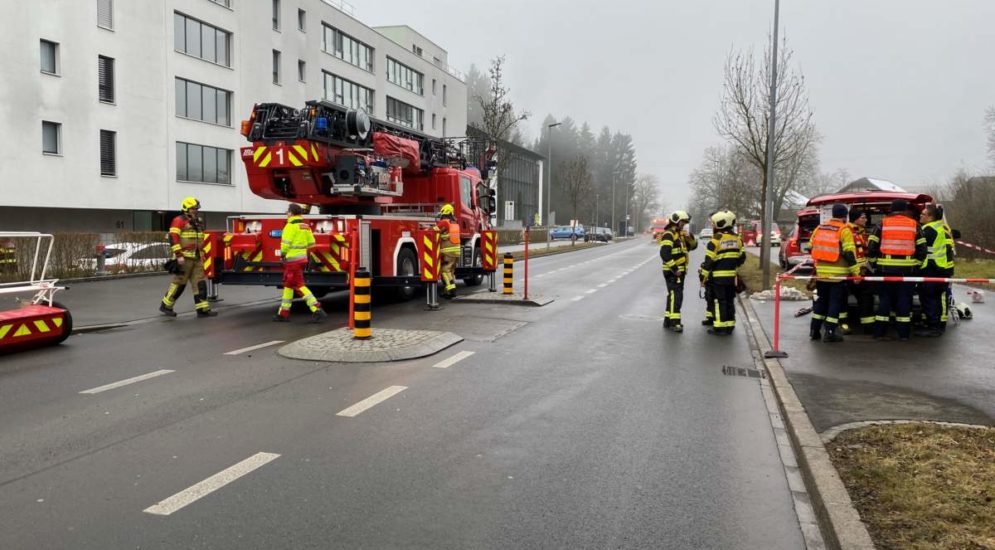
898, 87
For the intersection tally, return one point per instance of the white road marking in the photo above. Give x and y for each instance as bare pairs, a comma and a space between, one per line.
592, 291
372, 400
577, 298
209, 485
602, 285
126, 382
446, 363
254, 348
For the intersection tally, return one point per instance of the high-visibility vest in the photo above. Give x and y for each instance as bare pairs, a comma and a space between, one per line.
450, 241
859, 243
679, 248
453, 232
186, 236
826, 241
724, 250
898, 236
937, 251
295, 239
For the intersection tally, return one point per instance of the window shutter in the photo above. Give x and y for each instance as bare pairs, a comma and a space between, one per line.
108, 159
105, 69
105, 14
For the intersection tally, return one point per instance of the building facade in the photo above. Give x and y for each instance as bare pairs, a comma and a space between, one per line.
518, 180
115, 110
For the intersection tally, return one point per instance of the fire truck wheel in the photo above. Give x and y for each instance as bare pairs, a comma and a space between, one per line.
67, 323
407, 266
478, 262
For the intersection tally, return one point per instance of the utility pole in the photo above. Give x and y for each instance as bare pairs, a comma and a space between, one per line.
768, 197
614, 177
549, 188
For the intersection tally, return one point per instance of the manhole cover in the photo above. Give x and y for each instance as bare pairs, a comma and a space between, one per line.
730, 370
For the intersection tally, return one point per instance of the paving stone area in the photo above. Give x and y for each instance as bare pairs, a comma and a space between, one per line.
473, 328
385, 345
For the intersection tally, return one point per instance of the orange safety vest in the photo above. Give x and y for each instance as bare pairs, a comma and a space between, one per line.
898, 236
826, 241
453, 233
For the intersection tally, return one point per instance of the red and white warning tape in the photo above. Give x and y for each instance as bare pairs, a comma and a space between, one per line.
975, 247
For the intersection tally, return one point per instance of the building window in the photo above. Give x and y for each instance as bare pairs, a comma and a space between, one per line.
202, 102
302, 20
276, 66
443, 95
404, 114
443, 125
405, 76
198, 39
201, 163
347, 93
225, 3
276, 15
301, 70
108, 156
346, 48
105, 76
433, 121
49, 57
51, 138
416, 50
105, 14
433, 86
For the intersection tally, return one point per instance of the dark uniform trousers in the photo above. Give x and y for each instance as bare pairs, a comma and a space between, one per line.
675, 297
723, 303
897, 298
829, 303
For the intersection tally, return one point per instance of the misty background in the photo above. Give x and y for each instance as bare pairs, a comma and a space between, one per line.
898, 88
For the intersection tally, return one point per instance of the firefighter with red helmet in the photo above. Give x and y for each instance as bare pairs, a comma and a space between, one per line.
449, 243
186, 237
676, 245
834, 252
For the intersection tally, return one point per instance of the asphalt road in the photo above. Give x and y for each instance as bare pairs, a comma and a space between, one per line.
577, 425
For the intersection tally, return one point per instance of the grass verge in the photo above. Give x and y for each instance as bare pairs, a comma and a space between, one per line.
921, 485
975, 268
539, 249
752, 275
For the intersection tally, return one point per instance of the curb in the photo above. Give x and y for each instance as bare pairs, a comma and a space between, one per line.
338, 346
840, 522
98, 278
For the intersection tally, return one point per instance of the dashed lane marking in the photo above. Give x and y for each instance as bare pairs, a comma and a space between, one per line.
115, 385
592, 291
602, 285
577, 298
254, 348
446, 363
211, 484
371, 401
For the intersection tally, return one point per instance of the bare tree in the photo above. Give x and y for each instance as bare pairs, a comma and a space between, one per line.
646, 199
725, 179
574, 177
744, 116
990, 127
497, 112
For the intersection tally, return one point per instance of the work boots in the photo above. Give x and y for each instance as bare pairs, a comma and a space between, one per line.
832, 336
206, 313
167, 311
318, 315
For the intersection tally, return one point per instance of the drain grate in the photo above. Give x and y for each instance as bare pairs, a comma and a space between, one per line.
730, 370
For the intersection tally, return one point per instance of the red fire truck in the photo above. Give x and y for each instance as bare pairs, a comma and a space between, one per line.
373, 187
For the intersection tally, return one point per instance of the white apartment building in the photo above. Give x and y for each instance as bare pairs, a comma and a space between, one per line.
112, 111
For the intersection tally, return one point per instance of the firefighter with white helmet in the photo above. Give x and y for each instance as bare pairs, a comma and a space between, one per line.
723, 256
676, 245
449, 246
186, 237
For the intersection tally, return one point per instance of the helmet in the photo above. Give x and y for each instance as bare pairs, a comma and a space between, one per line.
446, 210
679, 216
724, 219
189, 203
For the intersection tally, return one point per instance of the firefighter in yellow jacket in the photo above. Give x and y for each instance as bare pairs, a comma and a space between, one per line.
295, 241
449, 243
723, 256
186, 237
675, 246
835, 255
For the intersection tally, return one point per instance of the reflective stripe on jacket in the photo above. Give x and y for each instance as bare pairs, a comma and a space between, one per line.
898, 236
723, 255
674, 249
892, 263
939, 247
296, 239
186, 236
835, 256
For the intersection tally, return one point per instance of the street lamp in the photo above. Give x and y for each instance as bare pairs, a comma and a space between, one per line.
549, 188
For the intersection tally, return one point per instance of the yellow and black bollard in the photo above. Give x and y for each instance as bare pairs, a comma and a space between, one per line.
509, 263
362, 313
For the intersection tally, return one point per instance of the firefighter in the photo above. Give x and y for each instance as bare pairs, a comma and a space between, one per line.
939, 262
834, 253
723, 255
186, 236
898, 249
295, 241
863, 291
8, 257
675, 247
449, 243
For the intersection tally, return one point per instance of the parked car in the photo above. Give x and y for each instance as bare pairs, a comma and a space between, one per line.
560, 232
599, 234
705, 233
795, 250
131, 256
775, 237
